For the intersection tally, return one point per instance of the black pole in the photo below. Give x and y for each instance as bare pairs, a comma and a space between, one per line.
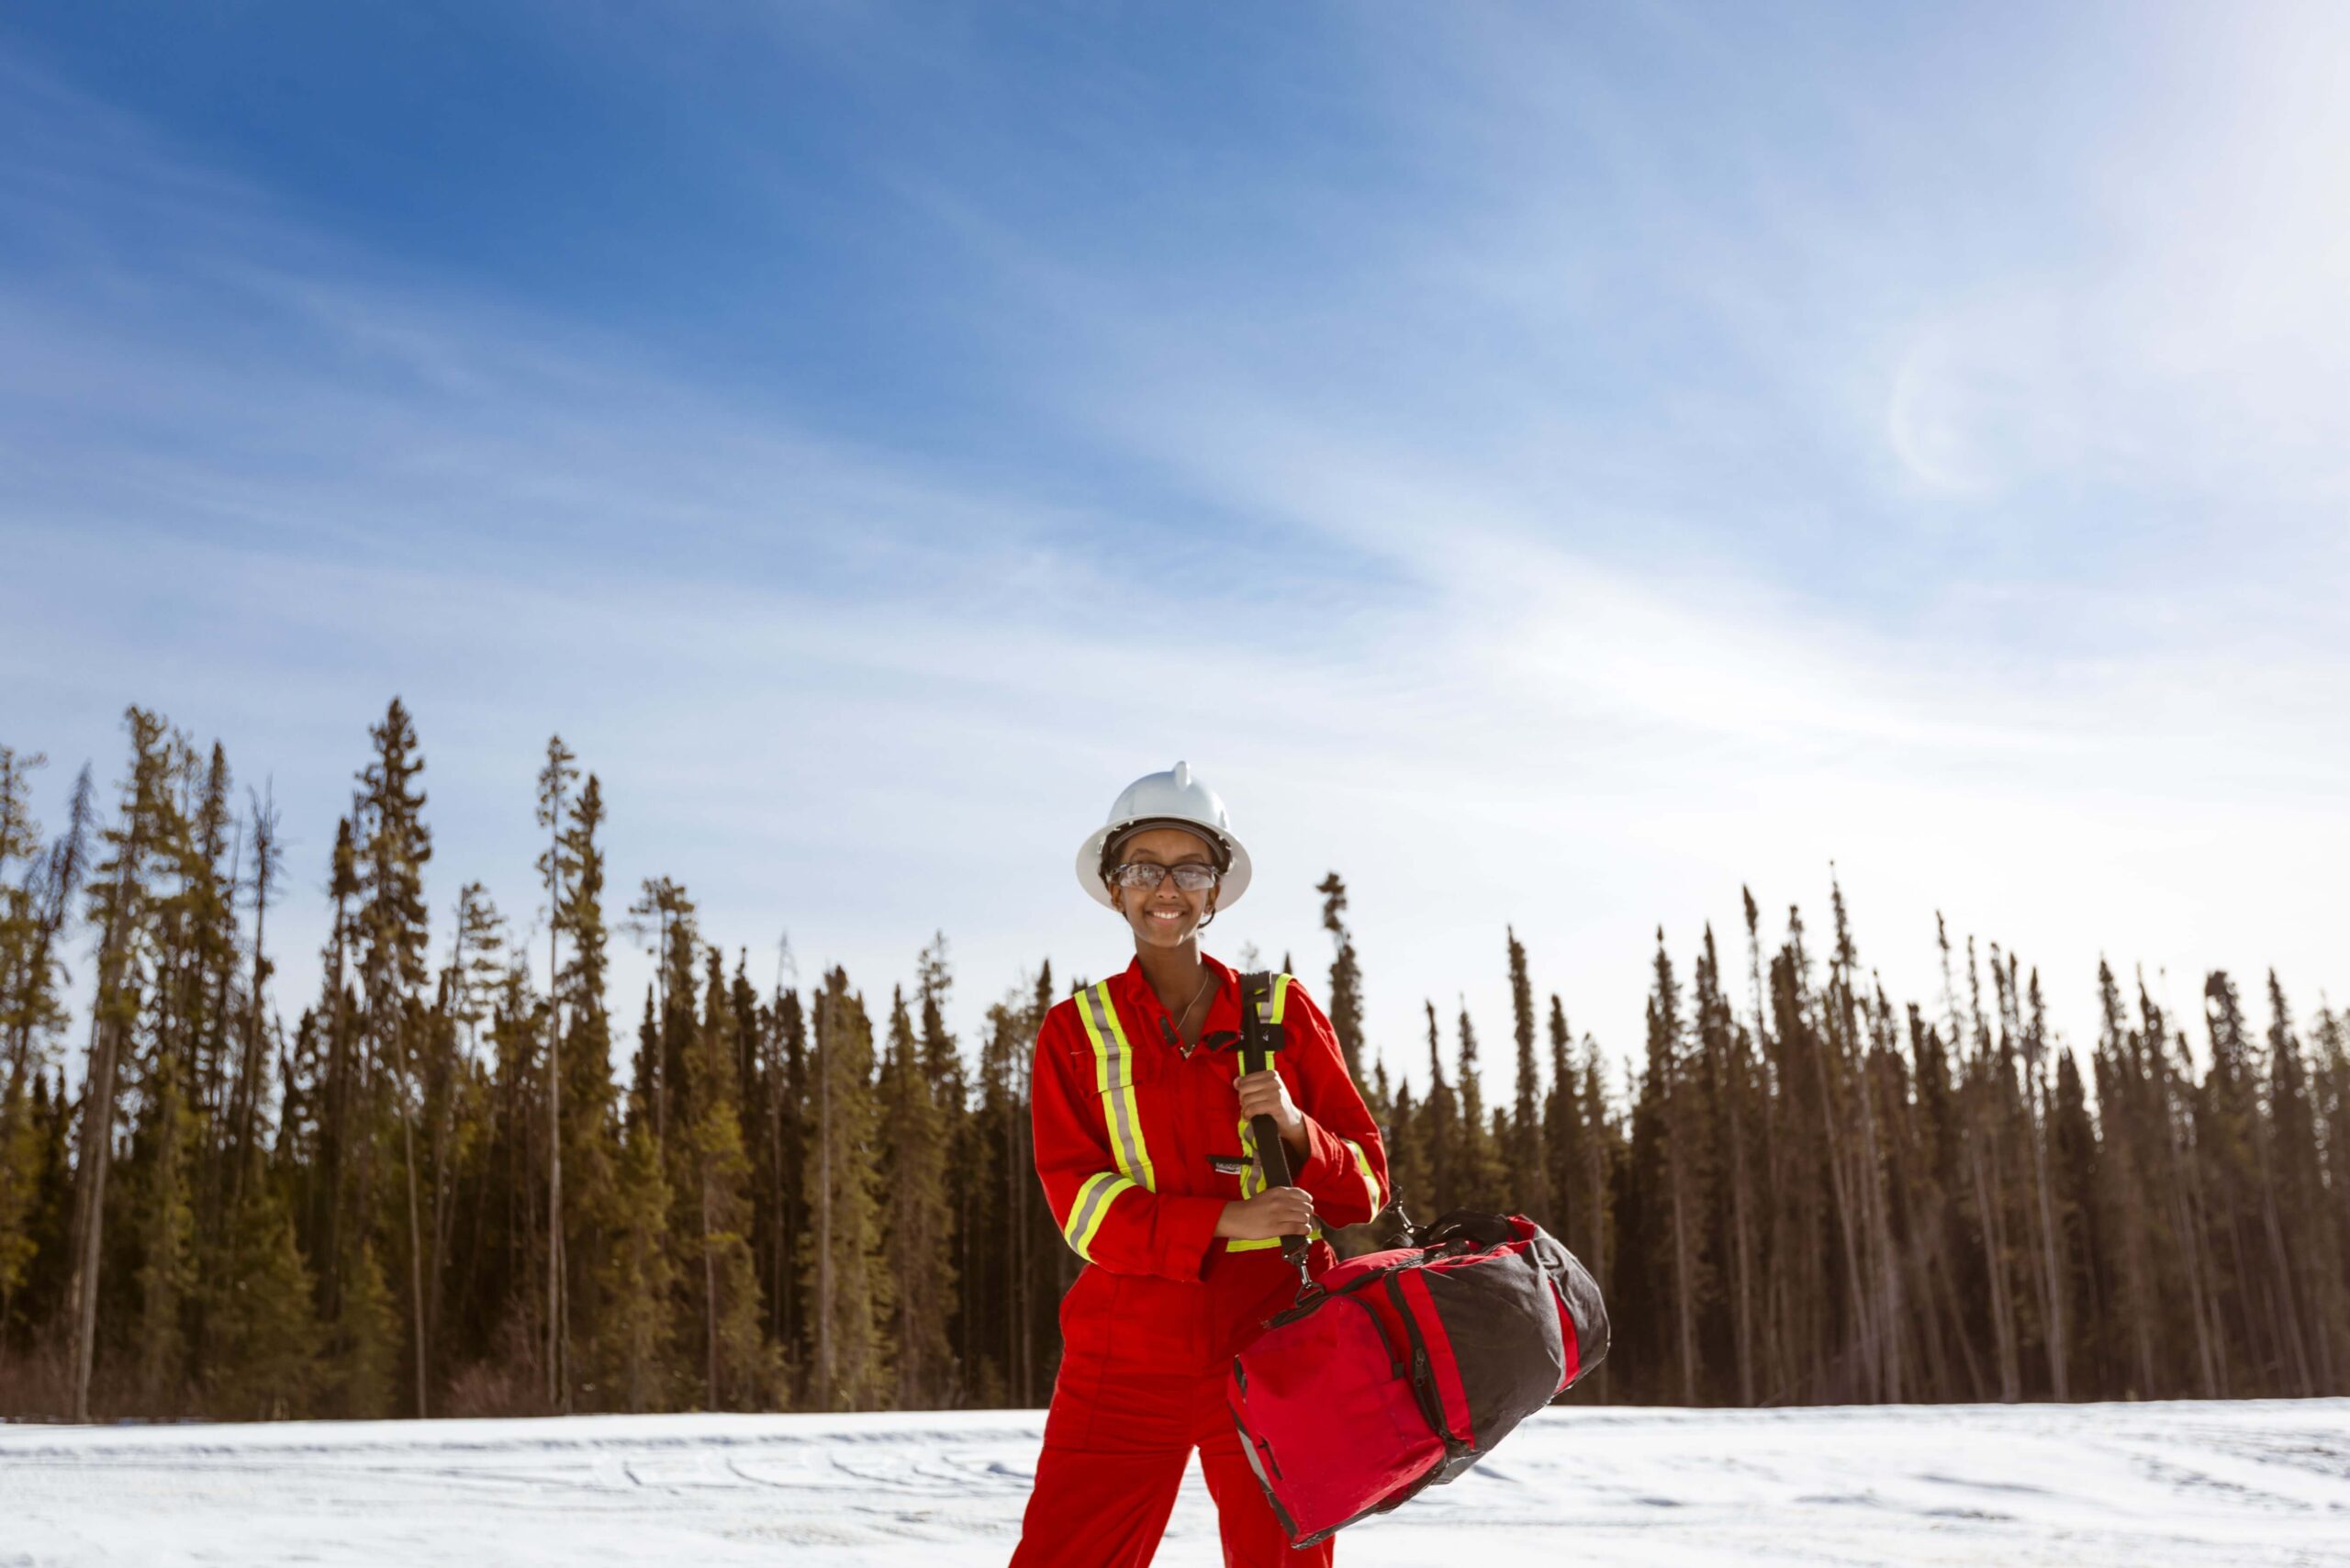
1259, 1038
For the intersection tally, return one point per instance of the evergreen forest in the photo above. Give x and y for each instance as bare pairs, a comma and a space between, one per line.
437, 1189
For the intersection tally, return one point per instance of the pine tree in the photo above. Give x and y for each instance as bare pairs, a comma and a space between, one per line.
393, 846
338, 1091
34, 915
1438, 1124
1679, 1156
1814, 1200
167, 1237
787, 1136
45, 1293
949, 1093
2086, 1283
634, 1336
2035, 1053
1476, 1161
509, 1211
2120, 1203
1344, 1010
554, 787
1981, 1100
265, 1343
21, 1156
193, 1020
723, 1281
366, 1348
1722, 1059
849, 1296
663, 913
2190, 1210
1561, 1130
244, 1114
463, 1116
914, 1180
1408, 1165
2330, 1105
1000, 1348
1841, 1054
587, 1109
120, 899
1529, 1174
32, 912
19, 840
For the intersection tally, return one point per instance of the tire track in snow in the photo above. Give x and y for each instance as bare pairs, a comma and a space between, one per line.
2146, 1486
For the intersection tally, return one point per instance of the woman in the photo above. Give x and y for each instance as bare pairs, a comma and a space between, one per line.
1144, 1147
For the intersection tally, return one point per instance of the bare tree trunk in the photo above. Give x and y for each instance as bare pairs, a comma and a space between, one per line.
248, 1091
2187, 1202
1741, 1255
443, 1208
558, 1380
1840, 1182
709, 1294
1995, 1250
340, 1071
1016, 1175
2053, 1285
2289, 1328
1596, 1168
779, 1290
2138, 1279
415, 1229
2210, 1344
89, 1202
97, 1113
824, 1317
1683, 1287
1886, 1308
1959, 1327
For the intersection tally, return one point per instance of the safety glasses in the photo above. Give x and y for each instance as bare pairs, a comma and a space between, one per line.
1190, 876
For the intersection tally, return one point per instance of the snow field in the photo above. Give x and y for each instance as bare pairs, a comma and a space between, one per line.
2146, 1485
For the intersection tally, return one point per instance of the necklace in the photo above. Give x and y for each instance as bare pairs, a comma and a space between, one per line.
1206, 980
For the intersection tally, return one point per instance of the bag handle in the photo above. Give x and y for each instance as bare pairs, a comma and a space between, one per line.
1259, 1038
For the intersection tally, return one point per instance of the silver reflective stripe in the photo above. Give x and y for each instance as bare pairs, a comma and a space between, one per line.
1113, 1075
1092, 1202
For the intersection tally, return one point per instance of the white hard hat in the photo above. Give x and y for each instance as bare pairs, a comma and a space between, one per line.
1178, 799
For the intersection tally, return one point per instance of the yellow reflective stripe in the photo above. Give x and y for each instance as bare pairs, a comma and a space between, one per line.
1280, 996
1252, 1182
1113, 1075
1312, 1233
1092, 1205
1103, 1062
1362, 1163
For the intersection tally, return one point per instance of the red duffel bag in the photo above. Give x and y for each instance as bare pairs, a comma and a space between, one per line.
1400, 1369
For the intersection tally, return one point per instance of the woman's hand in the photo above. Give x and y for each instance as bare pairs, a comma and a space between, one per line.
1264, 1094
1274, 1213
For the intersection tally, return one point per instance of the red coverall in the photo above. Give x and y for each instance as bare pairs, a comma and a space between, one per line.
1139, 1147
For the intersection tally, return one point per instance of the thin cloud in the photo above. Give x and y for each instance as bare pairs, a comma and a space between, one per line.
1560, 569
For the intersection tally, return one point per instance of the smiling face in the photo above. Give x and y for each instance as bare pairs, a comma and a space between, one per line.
1164, 916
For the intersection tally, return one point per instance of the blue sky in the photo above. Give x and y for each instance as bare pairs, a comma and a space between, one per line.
1553, 464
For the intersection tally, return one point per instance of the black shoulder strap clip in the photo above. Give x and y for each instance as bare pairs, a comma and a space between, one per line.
1260, 1035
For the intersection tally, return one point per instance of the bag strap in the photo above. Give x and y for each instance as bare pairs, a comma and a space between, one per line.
1259, 1038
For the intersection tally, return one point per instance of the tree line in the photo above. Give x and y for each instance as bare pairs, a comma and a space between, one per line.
439, 1189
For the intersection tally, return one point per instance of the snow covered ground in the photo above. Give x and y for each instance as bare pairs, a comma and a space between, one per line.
2144, 1485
